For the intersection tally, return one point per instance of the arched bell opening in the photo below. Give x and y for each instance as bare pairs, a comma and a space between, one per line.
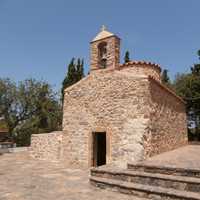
102, 54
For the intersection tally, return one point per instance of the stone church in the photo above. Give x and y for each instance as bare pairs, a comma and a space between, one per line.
118, 113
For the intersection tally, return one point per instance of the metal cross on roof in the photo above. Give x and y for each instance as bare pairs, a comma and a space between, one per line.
103, 28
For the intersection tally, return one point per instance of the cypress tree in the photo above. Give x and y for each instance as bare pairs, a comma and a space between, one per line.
82, 68
70, 78
126, 57
71, 74
74, 74
165, 78
79, 69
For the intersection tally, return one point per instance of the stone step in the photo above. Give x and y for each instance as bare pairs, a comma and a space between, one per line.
183, 183
165, 170
151, 192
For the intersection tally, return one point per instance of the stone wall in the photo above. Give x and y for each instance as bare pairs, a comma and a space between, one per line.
168, 126
142, 68
47, 146
110, 101
113, 53
139, 115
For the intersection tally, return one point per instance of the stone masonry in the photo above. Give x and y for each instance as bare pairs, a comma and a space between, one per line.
47, 146
140, 116
113, 54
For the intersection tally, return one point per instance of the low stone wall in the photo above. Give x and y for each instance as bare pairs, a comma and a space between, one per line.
47, 146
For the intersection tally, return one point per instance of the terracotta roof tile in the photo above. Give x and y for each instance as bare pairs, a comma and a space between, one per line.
140, 63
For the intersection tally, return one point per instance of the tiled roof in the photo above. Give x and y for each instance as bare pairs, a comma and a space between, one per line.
140, 63
103, 34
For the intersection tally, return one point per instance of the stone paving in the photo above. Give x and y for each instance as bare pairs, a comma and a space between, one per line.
187, 157
22, 178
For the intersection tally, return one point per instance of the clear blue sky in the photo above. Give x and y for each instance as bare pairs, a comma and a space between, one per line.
39, 37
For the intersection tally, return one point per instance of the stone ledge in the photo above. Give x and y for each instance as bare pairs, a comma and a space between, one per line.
148, 174
45, 134
143, 190
165, 170
183, 183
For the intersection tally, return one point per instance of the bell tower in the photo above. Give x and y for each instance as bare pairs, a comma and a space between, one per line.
104, 51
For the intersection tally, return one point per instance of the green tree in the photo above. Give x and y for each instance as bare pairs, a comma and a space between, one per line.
9, 103
196, 68
75, 73
126, 57
164, 77
3, 125
79, 69
71, 74
29, 107
194, 99
69, 78
188, 86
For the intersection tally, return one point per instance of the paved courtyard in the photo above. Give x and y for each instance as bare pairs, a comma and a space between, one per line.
22, 178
